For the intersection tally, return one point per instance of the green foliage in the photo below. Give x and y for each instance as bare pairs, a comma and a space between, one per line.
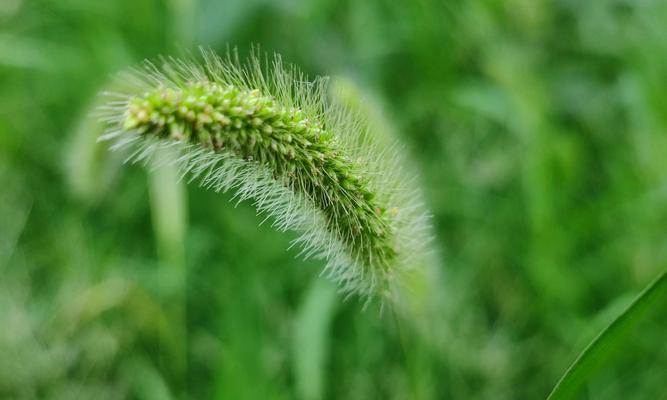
538, 132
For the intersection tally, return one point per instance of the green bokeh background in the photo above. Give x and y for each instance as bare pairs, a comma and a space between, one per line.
539, 130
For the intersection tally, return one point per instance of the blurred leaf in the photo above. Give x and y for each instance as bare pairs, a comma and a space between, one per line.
168, 200
310, 346
600, 351
148, 382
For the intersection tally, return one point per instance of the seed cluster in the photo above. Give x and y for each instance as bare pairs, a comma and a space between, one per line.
294, 147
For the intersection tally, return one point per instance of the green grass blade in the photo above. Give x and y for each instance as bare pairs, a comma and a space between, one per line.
312, 339
601, 349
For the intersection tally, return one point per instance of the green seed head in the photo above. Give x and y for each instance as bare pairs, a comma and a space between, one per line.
275, 138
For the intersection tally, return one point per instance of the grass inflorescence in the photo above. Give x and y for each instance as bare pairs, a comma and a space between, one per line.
275, 137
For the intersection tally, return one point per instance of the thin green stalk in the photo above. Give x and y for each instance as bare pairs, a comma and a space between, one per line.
168, 201
602, 348
407, 360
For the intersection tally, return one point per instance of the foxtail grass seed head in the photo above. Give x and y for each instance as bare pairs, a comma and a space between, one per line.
269, 135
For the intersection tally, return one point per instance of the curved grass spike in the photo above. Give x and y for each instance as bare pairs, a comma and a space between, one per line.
271, 135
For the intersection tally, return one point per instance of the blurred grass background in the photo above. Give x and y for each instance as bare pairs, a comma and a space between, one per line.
540, 132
